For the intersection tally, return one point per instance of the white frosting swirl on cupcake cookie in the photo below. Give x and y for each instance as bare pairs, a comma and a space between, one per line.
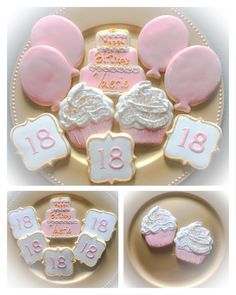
156, 220
194, 238
83, 105
143, 107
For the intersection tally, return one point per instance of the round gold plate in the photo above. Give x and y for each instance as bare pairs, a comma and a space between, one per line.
104, 274
150, 159
160, 267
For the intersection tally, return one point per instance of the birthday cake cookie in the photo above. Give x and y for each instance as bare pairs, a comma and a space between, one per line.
61, 220
113, 65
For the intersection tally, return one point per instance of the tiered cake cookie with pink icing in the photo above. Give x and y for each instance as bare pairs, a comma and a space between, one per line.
61, 220
113, 65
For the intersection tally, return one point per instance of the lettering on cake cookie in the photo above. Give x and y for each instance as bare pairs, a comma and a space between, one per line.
40, 141
100, 223
32, 247
192, 141
23, 221
58, 262
88, 249
61, 219
110, 157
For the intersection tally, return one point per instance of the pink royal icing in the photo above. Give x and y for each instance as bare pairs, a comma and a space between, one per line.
192, 76
61, 220
160, 39
60, 33
45, 76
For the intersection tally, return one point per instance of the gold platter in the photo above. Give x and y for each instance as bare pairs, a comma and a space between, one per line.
104, 274
159, 267
150, 160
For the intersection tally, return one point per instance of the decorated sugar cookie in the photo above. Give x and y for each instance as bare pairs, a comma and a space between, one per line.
110, 157
61, 221
100, 223
32, 247
192, 76
84, 112
113, 65
45, 76
58, 262
23, 221
160, 39
88, 249
192, 141
158, 227
145, 113
60, 33
40, 141
193, 243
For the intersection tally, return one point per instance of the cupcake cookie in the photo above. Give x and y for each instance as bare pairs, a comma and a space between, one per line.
145, 113
158, 227
193, 243
84, 112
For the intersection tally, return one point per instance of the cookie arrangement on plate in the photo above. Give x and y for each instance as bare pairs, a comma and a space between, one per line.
113, 87
34, 237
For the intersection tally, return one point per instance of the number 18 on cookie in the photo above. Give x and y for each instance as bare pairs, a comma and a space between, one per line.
192, 141
110, 157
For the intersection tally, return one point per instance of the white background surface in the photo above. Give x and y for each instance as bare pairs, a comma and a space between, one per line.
206, 19
215, 19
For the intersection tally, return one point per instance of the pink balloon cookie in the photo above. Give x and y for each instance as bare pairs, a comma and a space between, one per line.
159, 40
192, 76
45, 76
62, 34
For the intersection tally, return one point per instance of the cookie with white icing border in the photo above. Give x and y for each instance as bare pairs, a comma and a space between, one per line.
40, 141
32, 247
193, 243
88, 249
23, 221
192, 141
158, 227
100, 223
110, 157
58, 262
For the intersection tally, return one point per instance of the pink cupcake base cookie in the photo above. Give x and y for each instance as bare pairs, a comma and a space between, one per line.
158, 228
78, 136
193, 243
145, 136
84, 112
160, 239
144, 113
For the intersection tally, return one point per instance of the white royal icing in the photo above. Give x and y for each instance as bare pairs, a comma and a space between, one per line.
88, 249
114, 69
32, 247
110, 158
156, 220
40, 141
58, 262
194, 238
23, 221
193, 141
143, 107
84, 105
100, 223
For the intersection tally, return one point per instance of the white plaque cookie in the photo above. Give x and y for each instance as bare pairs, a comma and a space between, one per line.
58, 262
40, 141
192, 141
110, 157
100, 223
88, 249
23, 221
32, 247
